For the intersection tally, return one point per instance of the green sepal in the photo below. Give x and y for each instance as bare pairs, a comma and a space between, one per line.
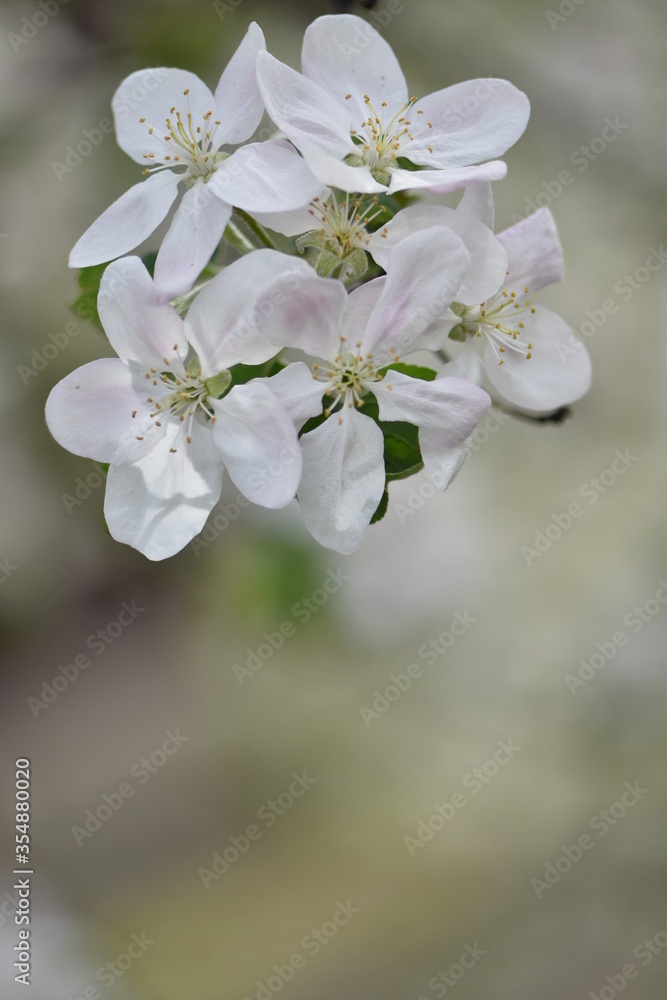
382, 507
327, 263
405, 164
218, 384
353, 160
457, 333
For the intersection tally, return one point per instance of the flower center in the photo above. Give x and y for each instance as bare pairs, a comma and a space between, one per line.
186, 144
496, 320
348, 378
343, 226
380, 139
181, 396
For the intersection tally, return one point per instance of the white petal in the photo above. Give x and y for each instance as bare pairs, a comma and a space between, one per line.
343, 479
128, 222
330, 169
259, 444
445, 180
425, 272
534, 253
265, 177
195, 232
557, 374
467, 364
157, 505
232, 320
488, 261
298, 392
239, 104
140, 324
359, 308
345, 54
302, 109
472, 121
290, 223
150, 94
477, 201
90, 411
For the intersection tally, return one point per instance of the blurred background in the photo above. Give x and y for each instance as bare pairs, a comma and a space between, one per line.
215, 866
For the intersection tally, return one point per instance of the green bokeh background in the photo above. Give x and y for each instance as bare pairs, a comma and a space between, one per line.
504, 679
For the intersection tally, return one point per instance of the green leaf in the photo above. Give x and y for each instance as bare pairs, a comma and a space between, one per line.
405, 164
246, 373
402, 455
85, 304
414, 371
381, 508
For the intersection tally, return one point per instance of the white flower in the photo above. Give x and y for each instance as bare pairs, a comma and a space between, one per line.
170, 122
355, 337
350, 114
152, 413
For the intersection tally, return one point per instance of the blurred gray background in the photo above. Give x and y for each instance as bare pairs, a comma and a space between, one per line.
477, 887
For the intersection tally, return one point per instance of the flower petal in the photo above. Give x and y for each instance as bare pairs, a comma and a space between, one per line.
239, 104
265, 177
477, 201
157, 505
467, 364
472, 121
298, 392
534, 253
426, 270
195, 232
330, 169
346, 55
146, 99
343, 479
445, 180
128, 222
557, 374
90, 411
233, 319
259, 444
140, 324
303, 110
488, 261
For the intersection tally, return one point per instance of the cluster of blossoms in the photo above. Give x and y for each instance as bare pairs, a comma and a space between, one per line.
291, 368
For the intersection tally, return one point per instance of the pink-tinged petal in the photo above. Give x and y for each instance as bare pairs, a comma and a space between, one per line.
359, 308
140, 324
309, 317
151, 94
234, 321
425, 272
128, 222
477, 201
258, 442
302, 109
239, 104
488, 261
534, 253
301, 220
343, 479
346, 55
195, 232
331, 170
471, 122
466, 365
450, 406
298, 392
446, 180
265, 177
158, 504
90, 412
557, 373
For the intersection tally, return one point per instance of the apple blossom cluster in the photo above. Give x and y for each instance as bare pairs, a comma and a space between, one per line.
299, 367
